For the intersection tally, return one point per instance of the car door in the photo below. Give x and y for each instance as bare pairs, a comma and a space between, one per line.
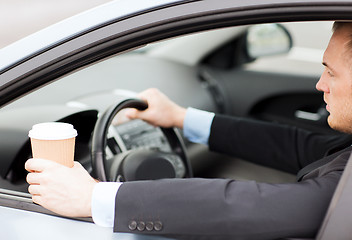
25, 73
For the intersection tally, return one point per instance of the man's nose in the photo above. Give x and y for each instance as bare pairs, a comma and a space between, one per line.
322, 85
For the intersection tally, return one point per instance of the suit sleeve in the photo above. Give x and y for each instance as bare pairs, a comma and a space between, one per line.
278, 146
224, 209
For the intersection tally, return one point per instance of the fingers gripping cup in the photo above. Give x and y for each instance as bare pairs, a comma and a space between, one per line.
54, 141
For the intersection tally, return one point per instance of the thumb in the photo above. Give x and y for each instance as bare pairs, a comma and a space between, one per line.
132, 113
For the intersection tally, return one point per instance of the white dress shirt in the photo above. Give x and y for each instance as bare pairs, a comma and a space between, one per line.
196, 128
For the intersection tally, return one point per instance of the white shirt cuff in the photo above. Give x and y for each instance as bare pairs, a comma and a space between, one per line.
103, 203
197, 124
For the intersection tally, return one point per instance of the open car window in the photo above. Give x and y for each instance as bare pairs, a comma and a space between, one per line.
81, 96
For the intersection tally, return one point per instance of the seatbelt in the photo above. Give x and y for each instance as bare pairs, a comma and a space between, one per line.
307, 169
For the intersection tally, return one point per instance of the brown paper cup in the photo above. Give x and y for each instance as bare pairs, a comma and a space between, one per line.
54, 141
60, 151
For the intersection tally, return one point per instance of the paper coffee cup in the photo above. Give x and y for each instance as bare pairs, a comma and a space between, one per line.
54, 141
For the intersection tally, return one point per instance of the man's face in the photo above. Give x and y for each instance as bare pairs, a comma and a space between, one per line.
336, 81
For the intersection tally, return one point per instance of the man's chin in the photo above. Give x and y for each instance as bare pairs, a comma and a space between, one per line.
338, 127
332, 124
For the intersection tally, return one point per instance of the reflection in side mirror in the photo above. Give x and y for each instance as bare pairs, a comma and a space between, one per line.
267, 40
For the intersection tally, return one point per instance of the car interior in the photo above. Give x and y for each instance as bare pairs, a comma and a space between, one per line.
259, 71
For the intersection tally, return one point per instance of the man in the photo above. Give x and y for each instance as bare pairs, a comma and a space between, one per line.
220, 208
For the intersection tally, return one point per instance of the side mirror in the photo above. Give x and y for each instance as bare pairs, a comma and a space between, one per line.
267, 40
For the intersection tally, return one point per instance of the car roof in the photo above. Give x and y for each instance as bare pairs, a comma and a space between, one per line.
74, 26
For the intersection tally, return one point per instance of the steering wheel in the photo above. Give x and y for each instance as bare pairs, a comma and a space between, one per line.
136, 163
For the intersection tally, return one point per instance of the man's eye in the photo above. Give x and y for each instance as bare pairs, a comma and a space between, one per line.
329, 72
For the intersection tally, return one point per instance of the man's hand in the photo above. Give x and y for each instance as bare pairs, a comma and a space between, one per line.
161, 110
63, 190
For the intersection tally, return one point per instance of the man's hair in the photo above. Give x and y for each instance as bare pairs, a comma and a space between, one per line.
340, 24
348, 25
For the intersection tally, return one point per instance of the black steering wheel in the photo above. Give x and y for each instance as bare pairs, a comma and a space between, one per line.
137, 163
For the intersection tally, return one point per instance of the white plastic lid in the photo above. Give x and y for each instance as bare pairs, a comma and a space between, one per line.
52, 131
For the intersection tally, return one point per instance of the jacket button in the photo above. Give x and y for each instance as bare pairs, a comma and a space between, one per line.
158, 226
132, 225
149, 226
141, 226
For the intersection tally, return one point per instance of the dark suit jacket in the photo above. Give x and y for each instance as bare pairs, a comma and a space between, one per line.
229, 209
